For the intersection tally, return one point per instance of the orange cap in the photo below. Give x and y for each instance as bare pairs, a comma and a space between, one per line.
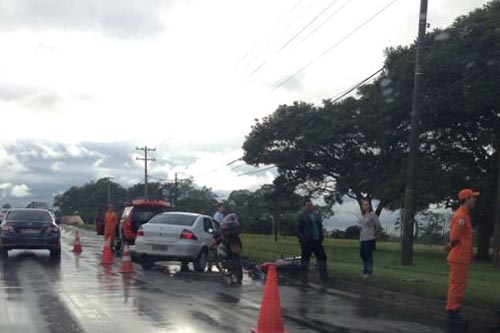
465, 193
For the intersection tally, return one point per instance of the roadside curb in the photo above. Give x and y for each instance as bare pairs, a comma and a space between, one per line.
432, 307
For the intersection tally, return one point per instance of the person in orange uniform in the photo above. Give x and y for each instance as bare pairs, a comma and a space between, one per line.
110, 222
460, 254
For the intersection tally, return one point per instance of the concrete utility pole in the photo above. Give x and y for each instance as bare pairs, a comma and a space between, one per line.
410, 194
109, 188
496, 232
145, 149
176, 190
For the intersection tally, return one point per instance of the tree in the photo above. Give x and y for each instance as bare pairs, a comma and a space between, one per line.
360, 144
86, 200
200, 200
6, 206
256, 209
432, 227
352, 232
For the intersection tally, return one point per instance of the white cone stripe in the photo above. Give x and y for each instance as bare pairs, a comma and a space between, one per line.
126, 258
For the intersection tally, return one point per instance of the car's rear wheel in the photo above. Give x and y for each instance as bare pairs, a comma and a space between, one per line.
147, 262
4, 253
55, 253
200, 263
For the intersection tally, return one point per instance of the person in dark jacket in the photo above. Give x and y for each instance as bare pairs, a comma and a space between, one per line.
309, 229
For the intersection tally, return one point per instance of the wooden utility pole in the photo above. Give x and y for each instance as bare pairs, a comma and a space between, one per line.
146, 159
411, 175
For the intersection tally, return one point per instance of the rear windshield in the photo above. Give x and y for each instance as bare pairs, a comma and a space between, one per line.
174, 219
31, 216
126, 212
144, 214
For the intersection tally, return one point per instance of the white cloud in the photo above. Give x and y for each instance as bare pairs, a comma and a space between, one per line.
58, 166
175, 70
20, 191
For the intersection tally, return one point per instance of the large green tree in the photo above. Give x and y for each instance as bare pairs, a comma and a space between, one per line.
358, 147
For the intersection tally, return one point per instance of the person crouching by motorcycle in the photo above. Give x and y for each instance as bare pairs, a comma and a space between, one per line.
309, 229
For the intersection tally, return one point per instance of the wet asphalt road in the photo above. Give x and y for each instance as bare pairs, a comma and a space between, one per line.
78, 294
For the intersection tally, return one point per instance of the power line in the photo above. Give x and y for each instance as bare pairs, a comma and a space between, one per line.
165, 141
252, 49
303, 68
281, 33
348, 91
257, 171
323, 22
296, 35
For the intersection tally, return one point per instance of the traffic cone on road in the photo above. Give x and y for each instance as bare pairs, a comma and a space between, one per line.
127, 265
77, 246
270, 317
107, 254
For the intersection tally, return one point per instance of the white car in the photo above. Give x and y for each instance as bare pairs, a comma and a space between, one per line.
176, 236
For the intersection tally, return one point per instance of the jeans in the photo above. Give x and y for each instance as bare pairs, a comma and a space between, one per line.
316, 247
366, 252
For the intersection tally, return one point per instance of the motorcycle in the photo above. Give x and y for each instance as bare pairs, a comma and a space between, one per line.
228, 247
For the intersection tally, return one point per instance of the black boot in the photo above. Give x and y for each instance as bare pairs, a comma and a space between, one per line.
455, 320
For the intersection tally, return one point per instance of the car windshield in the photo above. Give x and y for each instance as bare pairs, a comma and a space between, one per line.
174, 219
26, 215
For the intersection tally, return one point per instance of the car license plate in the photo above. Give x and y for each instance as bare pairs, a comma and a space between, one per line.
30, 231
159, 247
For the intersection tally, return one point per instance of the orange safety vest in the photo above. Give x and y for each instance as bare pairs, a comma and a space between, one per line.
461, 235
110, 221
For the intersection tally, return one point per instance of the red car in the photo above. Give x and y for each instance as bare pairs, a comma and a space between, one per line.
136, 214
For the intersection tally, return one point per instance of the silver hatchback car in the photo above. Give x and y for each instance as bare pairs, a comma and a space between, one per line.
176, 236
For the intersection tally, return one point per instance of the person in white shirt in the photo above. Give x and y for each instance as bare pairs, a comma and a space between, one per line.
221, 213
370, 226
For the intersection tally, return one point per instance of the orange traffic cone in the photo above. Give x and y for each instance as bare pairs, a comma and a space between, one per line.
271, 318
107, 254
127, 265
77, 247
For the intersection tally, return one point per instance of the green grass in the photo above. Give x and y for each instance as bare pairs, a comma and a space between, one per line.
429, 265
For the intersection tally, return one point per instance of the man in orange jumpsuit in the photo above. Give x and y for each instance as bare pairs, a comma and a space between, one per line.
110, 223
460, 254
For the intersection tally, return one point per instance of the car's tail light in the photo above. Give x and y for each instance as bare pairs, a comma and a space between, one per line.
186, 234
128, 224
140, 232
7, 228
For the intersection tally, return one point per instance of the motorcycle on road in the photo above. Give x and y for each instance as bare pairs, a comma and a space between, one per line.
228, 247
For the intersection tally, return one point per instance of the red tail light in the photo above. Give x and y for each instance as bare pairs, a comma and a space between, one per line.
186, 234
140, 232
128, 224
7, 228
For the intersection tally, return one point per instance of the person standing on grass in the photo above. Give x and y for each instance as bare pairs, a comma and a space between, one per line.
309, 230
460, 257
370, 226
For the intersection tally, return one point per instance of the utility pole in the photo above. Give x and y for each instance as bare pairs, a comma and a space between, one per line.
496, 231
176, 190
108, 185
410, 194
145, 149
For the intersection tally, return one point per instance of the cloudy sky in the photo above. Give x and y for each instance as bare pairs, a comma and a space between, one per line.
86, 81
